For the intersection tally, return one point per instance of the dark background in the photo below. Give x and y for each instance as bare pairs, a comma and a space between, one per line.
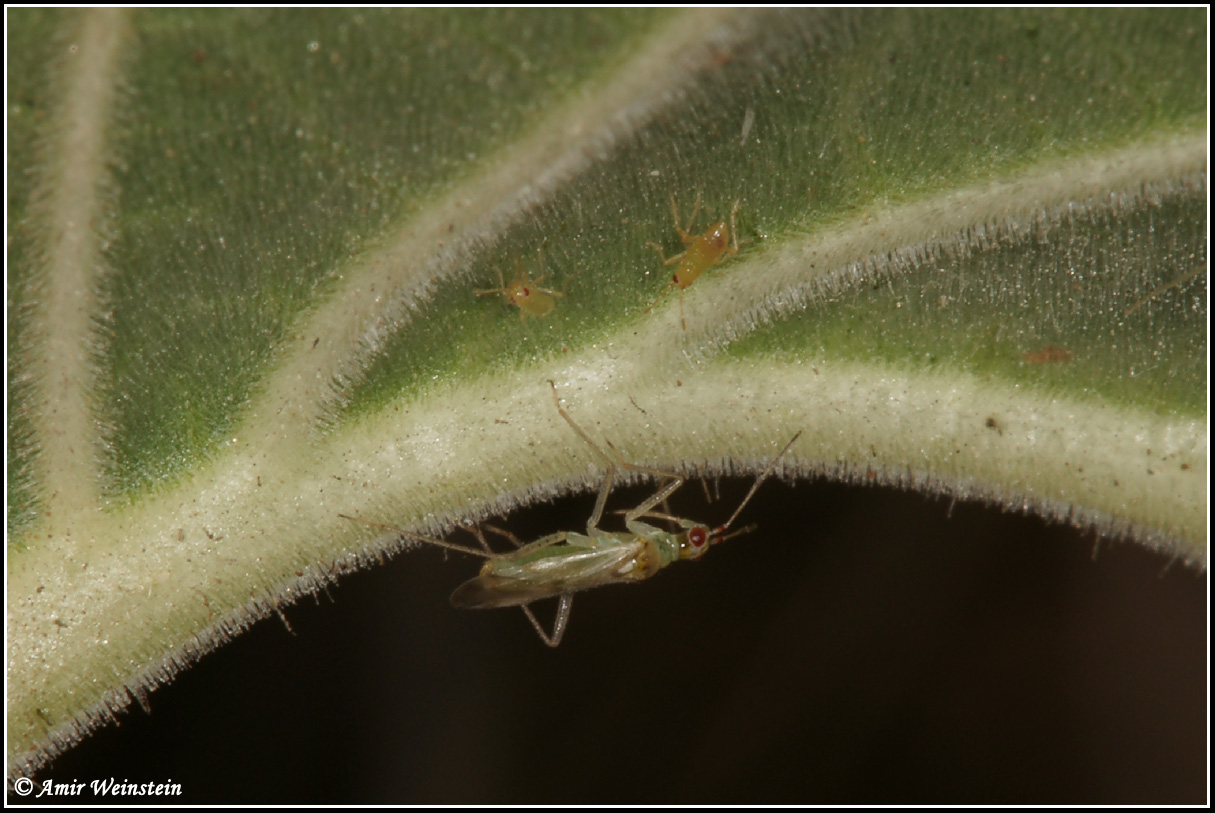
864, 646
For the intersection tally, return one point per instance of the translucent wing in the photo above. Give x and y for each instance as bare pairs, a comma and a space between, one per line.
553, 572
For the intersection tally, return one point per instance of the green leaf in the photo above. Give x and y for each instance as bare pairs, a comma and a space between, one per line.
244, 247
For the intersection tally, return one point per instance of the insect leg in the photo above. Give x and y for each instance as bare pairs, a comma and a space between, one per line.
501, 289
658, 496
734, 229
535, 283
541, 543
665, 259
665, 516
592, 524
487, 554
476, 531
685, 231
540, 263
665, 291
507, 535
564, 602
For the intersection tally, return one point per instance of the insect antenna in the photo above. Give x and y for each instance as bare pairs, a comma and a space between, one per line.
744, 530
721, 529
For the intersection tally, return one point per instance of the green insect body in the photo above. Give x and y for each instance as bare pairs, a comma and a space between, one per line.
564, 563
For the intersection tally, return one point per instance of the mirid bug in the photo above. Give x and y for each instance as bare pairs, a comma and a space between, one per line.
525, 293
703, 252
564, 563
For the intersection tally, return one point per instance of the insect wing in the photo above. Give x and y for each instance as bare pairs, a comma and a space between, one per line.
488, 591
509, 583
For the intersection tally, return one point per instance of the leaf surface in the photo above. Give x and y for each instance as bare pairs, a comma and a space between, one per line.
243, 250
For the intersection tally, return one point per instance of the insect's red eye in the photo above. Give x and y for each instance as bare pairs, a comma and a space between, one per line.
525, 292
698, 537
